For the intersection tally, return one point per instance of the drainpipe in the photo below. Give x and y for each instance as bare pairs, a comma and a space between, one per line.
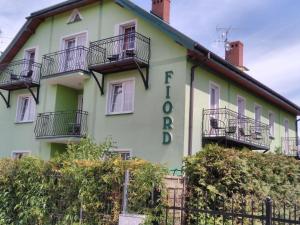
297, 138
191, 110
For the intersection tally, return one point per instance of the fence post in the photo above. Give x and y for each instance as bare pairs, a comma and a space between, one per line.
125, 193
269, 211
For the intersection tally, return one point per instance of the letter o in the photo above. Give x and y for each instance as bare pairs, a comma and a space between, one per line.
167, 107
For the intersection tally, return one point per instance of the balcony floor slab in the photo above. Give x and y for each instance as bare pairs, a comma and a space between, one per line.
74, 79
60, 140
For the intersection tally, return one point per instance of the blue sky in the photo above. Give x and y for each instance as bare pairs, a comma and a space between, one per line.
269, 30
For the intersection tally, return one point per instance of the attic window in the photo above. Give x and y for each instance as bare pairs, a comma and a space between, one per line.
75, 16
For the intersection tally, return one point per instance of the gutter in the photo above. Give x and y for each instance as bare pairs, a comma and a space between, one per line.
297, 137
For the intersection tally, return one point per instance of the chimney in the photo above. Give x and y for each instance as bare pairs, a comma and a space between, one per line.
161, 8
235, 54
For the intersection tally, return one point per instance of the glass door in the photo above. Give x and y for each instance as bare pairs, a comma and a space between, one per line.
29, 65
128, 45
69, 57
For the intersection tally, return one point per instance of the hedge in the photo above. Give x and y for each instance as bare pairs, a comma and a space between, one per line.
220, 172
84, 186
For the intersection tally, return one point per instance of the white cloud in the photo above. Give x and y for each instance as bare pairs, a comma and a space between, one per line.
12, 16
279, 69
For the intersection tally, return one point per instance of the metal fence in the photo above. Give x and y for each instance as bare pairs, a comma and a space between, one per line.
117, 48
290, 146
65, 61
19, 72
192, 210
225, 124
61, 124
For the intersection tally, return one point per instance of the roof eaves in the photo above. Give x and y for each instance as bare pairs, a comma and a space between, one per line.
53, 7
248, 77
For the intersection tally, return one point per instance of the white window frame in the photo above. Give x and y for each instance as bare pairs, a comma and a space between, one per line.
35, 49
70, 36
272, 131
119, 151
213, 85
108, 97
72, 16
20, 151
18, 108
257, 129
237, 103
120, 26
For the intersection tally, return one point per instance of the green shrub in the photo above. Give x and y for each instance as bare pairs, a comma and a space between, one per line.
84, 186
220, 172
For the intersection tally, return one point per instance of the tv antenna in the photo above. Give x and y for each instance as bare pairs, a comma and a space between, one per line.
223, 38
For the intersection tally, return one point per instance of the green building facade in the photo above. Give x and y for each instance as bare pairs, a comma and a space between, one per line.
110, 69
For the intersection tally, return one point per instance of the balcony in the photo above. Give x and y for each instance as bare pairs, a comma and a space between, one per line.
20, 74
61, 127
290, 146
121, 53
225, 126
67, 67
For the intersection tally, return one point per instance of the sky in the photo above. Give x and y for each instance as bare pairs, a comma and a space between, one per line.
269, 30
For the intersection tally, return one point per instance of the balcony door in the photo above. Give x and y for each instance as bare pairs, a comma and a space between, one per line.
214, 97
79, 109
70, 56
74, 58
29, 57
241, 105
127, 40
286, 137
257, 112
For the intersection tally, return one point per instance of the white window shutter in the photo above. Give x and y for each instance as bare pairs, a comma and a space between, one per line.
128, 96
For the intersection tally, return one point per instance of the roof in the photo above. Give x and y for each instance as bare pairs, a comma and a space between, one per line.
196, 51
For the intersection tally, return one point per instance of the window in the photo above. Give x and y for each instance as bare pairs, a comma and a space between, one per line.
121, 97
128, 42
29, 56
241, 106
286, 128
129, 37
74, 57
214, 96
25, 109
74, 40
75, 16
19, 154
271, 124
257, 111
126, 155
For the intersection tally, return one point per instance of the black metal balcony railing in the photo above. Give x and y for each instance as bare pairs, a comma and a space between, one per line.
119, 48
61, 124
290, 146
224, 124
19, 74
65, 61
